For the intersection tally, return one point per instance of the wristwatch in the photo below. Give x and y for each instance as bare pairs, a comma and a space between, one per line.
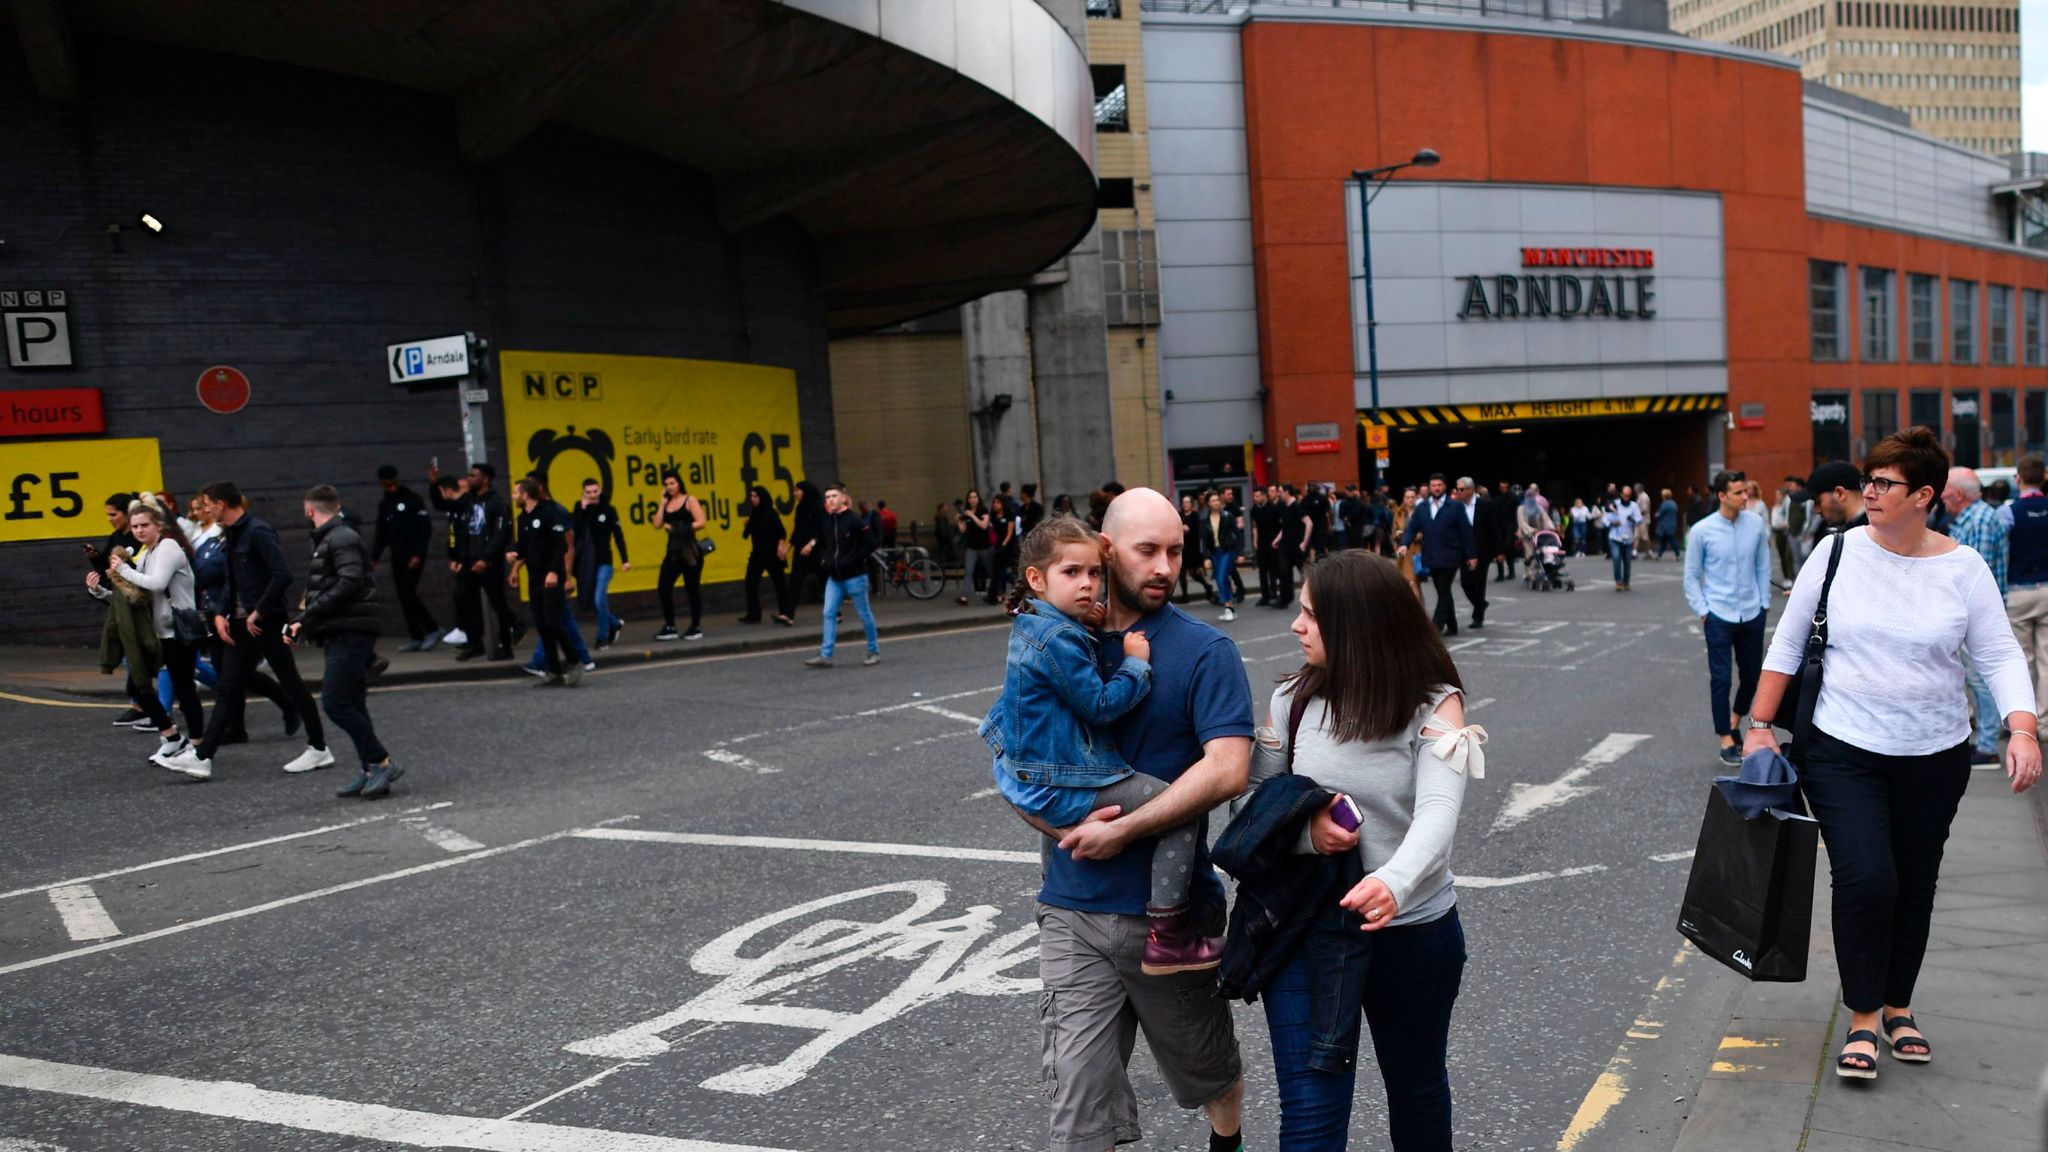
1756, 725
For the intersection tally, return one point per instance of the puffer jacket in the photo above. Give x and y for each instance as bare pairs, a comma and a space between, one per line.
340, 596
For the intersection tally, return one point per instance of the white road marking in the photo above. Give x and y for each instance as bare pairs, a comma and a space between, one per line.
288, 901
579, 1086
861, 715
191, 856
446, 839
949, 714
925, 741
1526, 800
1526, 877
1476, 705
245, 1102
1669, 857
728, 756
981, 794
84, 916
856, 847
1461, 645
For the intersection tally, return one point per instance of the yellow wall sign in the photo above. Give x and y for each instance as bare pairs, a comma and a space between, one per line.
623, 420
1517, 411
54, 489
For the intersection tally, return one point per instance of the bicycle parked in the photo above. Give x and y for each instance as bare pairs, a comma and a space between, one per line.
912, 569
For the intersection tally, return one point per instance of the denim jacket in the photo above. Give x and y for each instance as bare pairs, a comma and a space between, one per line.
1048, 726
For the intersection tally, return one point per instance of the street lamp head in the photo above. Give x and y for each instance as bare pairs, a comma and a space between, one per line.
1426, 158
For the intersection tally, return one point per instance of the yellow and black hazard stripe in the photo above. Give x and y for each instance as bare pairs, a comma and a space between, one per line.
1518, 411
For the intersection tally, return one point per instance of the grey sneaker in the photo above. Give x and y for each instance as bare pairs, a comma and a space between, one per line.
817, 662
1732, 756
873, 658
572, 675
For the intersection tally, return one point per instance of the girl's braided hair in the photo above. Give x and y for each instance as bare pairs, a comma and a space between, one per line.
1040, 548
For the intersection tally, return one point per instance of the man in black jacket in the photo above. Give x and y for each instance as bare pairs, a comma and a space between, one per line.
594, 530
544, 552
341, 612
841, 553
1265, 526
406, 527
486, 535
1484, 515
249, 618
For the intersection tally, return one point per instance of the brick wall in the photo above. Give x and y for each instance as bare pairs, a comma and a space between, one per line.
310, 220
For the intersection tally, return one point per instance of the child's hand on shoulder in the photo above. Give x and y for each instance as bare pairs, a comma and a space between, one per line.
1135, 644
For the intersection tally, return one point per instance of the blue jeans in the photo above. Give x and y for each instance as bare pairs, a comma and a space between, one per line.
856, 590
1743, 642
601, 596
572, 637
1989, 721
1623, 553
1406, 980
1223, 562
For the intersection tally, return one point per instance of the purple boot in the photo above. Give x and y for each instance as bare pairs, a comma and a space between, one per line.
1173, 944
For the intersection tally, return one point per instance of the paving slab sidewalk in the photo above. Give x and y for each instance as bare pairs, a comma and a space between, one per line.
1982, 1001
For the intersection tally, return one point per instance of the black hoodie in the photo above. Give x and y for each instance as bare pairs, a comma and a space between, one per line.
763, 526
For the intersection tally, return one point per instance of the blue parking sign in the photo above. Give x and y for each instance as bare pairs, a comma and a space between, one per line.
415, 361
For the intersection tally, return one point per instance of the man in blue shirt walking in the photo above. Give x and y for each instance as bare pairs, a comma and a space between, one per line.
1728, 585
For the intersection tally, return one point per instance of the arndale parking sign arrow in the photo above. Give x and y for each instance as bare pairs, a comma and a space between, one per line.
441, 358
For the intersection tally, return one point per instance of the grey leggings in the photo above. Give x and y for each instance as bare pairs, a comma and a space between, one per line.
1173, 857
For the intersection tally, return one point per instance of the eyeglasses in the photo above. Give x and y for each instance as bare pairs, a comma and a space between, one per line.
1882, 485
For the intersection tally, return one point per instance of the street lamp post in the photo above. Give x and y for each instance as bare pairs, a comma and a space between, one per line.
1425, 158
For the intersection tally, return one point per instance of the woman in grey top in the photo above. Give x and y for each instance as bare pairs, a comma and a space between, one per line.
1385, 727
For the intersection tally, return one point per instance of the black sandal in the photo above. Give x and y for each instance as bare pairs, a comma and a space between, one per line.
1910, 1049
1855, 1065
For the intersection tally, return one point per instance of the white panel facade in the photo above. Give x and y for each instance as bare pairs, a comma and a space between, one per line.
1866, 169
1428, 240
1201, 200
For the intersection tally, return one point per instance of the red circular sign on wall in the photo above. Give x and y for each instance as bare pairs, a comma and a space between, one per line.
223, 389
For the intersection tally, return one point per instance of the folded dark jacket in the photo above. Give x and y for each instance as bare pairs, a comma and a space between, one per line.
1279, 889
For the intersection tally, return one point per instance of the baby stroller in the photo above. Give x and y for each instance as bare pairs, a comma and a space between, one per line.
1546, 564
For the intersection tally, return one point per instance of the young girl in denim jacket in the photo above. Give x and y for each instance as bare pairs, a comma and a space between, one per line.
1056, 759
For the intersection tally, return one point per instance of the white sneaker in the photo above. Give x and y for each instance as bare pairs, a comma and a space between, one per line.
169, 748
310, 759
187, 762
590, 665
455, 636
1228, 615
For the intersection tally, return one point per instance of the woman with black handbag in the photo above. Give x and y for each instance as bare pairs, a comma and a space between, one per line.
1885, 758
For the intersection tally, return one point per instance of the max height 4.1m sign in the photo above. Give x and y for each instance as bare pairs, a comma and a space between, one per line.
624, 420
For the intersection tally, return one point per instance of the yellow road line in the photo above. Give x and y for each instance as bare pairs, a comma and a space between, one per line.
1611, 1087
19, 699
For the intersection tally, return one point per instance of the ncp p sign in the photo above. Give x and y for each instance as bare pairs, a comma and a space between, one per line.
416, 362
39, 339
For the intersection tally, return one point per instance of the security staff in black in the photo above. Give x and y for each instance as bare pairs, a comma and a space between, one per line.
543, 550
406, 527
480, 566
341, 612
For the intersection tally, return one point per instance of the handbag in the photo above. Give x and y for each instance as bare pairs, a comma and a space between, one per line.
1749, 898
186, 626
1804, 691
705, 547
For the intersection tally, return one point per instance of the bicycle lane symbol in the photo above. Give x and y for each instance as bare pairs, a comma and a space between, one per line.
956, 956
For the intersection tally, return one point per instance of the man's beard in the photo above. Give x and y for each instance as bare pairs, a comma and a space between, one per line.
1131, 595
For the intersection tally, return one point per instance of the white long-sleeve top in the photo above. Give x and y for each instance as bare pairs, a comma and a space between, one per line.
166, 572
1892, 676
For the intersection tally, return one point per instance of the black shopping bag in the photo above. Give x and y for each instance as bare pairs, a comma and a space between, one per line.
1749, 900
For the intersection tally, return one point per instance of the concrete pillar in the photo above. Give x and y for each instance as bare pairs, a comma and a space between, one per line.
1070, 372
997, 344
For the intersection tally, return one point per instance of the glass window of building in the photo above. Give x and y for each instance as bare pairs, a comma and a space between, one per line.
1824, 310
1923, 409
2036, 416
1112, 99
1130, 277
1962, 322
1921, 306
2034, 325
1998, 322
1880, 417
1829, 412
1880, 317
2004, 429
1963, 411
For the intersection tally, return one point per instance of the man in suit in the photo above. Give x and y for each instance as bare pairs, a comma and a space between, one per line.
1445, 531
1485, 520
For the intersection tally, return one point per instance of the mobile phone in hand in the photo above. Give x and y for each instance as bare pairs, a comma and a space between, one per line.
1345, 814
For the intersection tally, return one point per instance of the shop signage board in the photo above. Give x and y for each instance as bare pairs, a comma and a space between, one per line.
38, 328
51, 412
1310, 439
421, 361
623, 420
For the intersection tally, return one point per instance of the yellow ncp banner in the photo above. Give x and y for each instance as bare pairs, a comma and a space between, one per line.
53, 489
623, 420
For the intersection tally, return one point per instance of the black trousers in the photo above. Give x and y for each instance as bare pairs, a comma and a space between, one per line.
232, 675
1473, 580
549, 609
761, 564
1236, 584
673, 566
406, 579
344, 694
182, 660
471, 590
1269, 576
1446, 615
1886, 822
258, 683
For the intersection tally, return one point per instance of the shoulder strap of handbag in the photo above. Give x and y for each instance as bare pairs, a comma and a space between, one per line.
1817, 644
1295, 711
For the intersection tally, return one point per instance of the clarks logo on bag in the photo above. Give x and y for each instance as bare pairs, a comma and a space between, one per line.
1739, 958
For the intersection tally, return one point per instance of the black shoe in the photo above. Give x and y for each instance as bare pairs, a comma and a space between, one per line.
379, 784
469, 653
377, 667
1451, 631
668, 632
518, 634
1477, 622
502, 654
128, 718
355, 786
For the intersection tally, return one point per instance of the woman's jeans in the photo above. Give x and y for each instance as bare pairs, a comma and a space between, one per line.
1667, 541
1886, 821
1225, 563
1406, 980
1623, 553
1578, 538
978, 560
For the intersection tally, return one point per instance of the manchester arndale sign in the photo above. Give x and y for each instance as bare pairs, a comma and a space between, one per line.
1588, 290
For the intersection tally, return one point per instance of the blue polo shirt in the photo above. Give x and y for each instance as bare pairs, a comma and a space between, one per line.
1199, 693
